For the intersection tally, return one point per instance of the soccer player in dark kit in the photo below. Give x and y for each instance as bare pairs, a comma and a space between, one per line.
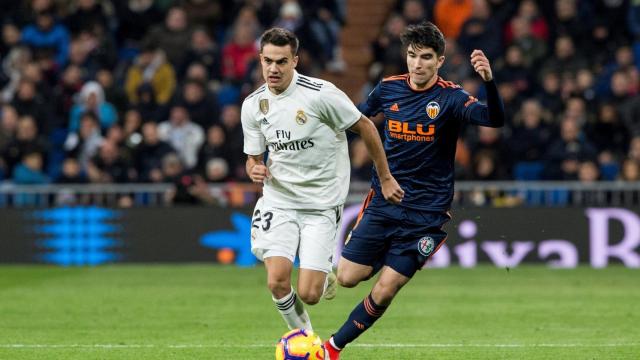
423, 116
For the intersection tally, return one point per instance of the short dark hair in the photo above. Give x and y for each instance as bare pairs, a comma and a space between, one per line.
279, 37
424, 35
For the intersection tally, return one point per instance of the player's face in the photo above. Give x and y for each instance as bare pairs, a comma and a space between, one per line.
278, 63
423, 64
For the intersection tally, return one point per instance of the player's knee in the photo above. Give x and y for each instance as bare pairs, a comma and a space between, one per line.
309, 296
384, 292
279, 287
345, 280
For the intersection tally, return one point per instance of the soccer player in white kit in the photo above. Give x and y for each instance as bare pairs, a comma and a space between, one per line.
301, 122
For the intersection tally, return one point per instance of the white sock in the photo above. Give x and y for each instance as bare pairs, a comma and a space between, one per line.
293, 311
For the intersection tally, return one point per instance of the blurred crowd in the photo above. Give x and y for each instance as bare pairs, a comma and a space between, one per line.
99, 91
568, 74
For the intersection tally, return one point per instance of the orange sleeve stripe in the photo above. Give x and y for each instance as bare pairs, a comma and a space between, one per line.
365, 204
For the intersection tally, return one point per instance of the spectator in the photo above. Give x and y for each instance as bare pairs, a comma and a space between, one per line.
86, 15
108, 166
69, 84
199, 102
172, 36
450, 15
92, 100
29, 171
151, 67
481, 31
135, 18
387, 48
565, 154
183, 135
205, 51
84, 144
27, 140
203, 13
28, 102
630, 171
71, 172
113, 93
48, 35
531, 135
528, 11
237, 54
149, 154
216, 146
533, 48
608, 133
233, 129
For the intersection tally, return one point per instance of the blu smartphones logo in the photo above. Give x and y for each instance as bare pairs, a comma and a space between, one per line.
76, 236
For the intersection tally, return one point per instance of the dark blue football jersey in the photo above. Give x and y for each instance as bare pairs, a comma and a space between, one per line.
421, 130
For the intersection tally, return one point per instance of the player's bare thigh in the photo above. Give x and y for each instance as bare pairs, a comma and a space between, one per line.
351, 274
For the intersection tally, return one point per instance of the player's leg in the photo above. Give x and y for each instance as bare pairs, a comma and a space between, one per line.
318, 230
363, 254
283, 295
418, 239
274, 240
367, 312
351, 273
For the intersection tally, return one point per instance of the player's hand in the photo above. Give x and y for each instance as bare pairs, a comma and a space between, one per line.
258, 173
481, 65
391, 190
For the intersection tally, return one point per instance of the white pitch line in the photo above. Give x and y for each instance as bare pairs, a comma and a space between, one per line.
362, 345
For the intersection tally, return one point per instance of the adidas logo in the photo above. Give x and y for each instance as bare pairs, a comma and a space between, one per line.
264, 121
394, 107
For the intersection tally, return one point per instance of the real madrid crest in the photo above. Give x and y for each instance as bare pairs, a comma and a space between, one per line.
433, 109
301, 117
264, 106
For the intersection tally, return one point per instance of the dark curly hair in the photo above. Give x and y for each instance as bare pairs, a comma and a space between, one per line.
424, 35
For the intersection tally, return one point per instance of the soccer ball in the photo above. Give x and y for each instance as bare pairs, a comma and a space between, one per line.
300, 344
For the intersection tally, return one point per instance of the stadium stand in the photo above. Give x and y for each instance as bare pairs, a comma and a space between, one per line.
147, 91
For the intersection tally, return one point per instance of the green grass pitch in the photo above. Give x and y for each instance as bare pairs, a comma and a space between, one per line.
220, 312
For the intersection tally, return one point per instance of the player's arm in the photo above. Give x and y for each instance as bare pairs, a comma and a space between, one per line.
255, 168
367, 130
491, 115
254, 144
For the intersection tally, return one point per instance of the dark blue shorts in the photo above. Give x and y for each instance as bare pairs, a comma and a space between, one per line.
398, 237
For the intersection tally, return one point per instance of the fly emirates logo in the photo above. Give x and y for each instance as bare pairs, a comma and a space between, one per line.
411, 132
284, 143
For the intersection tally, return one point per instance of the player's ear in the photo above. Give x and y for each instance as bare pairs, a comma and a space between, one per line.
295, 61
440, 61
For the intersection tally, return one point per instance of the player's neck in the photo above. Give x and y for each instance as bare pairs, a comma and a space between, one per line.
424, 86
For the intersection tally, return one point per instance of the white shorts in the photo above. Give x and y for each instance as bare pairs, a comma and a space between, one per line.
310, 234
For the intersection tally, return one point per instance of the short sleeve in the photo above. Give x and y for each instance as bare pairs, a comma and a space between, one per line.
254, 141
336, 108
372, 105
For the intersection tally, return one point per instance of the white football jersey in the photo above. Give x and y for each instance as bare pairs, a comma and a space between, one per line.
303, 130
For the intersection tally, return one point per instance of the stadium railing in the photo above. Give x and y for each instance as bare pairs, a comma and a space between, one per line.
467, 194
